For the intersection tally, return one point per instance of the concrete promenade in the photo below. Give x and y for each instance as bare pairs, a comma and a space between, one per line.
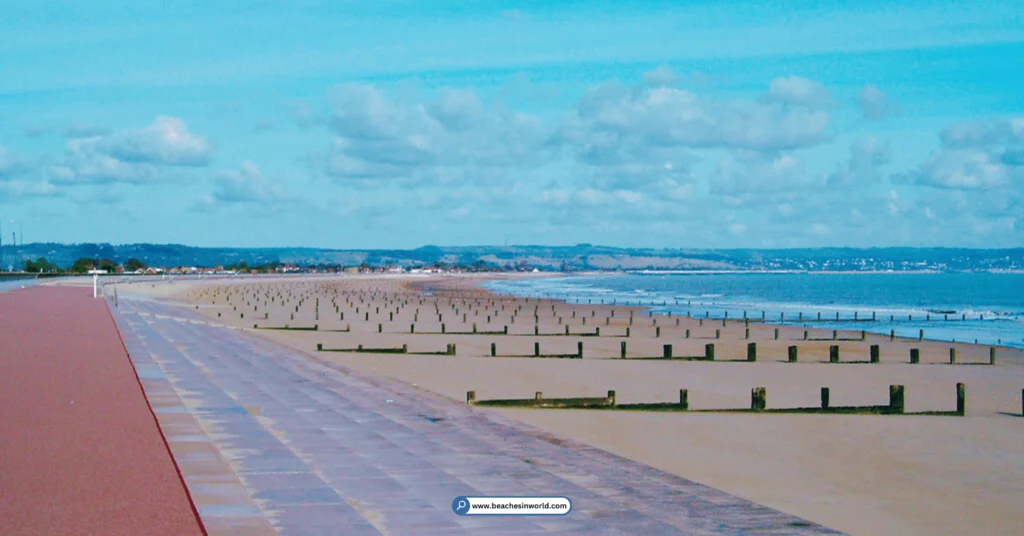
269, 440
80, 449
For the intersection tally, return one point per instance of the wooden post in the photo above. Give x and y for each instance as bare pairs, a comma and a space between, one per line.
709, 351
494, 349
442, 328
952, 356
687, 333
896, 399
824, 397
776, 333
718, 334
684, 399
805, 334
792, 354
833, 353
319, 347
538, 395
915, 356
567, 329
835, 334
992, 355
536, 330
752, 351
657, 332
666, 351
920, 335
892, 335
611, 398
627, 332
536, 349
579, 350
747, 334
758, 398
622, 349
380, 328
471, 397
961, 399
505, 330
874, 353
405, 348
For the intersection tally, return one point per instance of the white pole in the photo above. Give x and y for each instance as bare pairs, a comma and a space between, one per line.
95, 282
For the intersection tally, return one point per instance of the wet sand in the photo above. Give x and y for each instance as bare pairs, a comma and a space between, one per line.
862, 474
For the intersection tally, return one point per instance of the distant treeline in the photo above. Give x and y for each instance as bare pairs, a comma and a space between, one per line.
475, 258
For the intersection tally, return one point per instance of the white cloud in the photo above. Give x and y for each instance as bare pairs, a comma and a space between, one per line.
85, 163
167, 141
456, 109
130, 156
867, 156
663, 75
380, 139
10, 165
667, 117
965, 168
976, 155
874, 104
799, 91
247, 185
17, 190
759, 178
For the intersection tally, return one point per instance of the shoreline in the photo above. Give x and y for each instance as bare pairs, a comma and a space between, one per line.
942, 323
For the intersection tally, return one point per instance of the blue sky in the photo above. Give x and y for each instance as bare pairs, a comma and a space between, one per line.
402, 123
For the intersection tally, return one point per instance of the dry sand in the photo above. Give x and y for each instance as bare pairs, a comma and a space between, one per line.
861, 474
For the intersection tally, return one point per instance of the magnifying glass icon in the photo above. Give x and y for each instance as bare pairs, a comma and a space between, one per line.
460, 505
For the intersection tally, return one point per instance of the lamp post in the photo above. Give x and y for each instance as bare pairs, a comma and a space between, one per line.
14, 240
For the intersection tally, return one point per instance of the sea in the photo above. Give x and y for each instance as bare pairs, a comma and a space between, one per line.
982, 307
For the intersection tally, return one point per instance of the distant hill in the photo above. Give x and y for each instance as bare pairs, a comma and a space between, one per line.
579, 257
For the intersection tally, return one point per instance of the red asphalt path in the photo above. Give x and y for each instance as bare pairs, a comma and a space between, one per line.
80, 449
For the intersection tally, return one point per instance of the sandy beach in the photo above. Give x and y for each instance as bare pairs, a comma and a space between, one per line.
861, 474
